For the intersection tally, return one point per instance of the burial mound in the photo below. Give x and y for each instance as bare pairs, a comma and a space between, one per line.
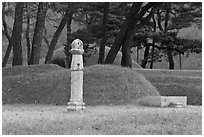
103, 84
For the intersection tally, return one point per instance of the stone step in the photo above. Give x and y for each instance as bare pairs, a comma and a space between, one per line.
164, 101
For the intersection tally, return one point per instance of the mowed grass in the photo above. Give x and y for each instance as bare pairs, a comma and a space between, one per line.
177, 83
110, 94
100, 120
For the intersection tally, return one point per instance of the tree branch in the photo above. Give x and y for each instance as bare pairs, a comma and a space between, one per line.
146, 19
145, 8
163, 48
154, 23
159, 20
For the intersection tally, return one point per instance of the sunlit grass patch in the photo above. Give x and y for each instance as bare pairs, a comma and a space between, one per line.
123, 120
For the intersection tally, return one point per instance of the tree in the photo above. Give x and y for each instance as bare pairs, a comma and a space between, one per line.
171, 17
120, 25
121, 35
38, 34
178, 16
30, 13
146, 55
125, 36
104, 35
6, 32
68, 58
55, 38
28, 32
16, 35
153, 42
169, 47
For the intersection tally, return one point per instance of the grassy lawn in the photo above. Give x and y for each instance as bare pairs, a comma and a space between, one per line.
109, 120
176, 83
110, 94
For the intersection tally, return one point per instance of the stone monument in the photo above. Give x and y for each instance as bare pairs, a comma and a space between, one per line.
76, 101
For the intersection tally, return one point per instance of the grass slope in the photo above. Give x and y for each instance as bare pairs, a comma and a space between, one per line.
24, 70
177, 83
100, 120
103, 84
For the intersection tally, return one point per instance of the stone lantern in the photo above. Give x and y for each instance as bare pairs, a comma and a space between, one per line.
76, 101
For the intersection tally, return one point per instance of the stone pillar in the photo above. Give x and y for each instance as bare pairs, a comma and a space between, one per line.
76, 101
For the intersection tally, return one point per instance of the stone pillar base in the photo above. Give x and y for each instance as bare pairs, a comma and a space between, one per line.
74, 106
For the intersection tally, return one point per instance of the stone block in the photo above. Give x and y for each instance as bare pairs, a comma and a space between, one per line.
164, 101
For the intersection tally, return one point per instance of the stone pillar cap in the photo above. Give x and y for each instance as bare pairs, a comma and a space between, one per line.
77, 44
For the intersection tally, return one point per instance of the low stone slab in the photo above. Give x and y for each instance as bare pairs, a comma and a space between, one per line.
164, 101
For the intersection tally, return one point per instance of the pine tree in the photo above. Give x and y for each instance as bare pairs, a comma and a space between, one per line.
38, 34
16, 35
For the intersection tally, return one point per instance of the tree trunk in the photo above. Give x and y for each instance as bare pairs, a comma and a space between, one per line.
135, 14
121, 35
56, 36
169, 47
152, 58
138, 53
104, 35
116, 45
8, 51
167, 16
146, 55
16, 35
6, 56
153, 42
170, 58
146, 20
159, 20
68, 57
38, 34
27, 36
4, 22
126, 60
180, 63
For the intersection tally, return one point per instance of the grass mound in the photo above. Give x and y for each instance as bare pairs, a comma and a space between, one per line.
102, 85
24, 70
177, 83
111, 83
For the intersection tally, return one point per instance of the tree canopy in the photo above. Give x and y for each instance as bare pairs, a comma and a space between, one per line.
159, 27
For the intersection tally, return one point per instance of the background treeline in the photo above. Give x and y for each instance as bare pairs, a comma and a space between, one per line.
33, 29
